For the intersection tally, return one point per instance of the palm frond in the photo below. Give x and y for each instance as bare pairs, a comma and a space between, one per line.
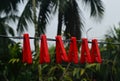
2, 29
44, 13
9, 18
60, 23
116, 34
25, 17
5, 29
9, 6
62, 7
55, 4
9, 29
72, 20
96, 7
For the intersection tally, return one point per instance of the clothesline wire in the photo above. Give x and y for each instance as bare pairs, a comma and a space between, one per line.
50, 39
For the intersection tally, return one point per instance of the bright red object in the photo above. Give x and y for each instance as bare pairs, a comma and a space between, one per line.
60, 50
26, 51
85, 52
73, 51
95, 52
44, 52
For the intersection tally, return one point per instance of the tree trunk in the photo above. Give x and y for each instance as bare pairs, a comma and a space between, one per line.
36, 41
60, 17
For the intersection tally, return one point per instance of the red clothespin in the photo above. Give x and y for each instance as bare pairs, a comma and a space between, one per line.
73, 51
26, 51
85, 53
60, 51
95, 52
44, 53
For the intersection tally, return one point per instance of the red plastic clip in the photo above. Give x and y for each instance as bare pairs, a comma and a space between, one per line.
73, 51
26, 51
85, 53
60, 51
44, 53
95, 52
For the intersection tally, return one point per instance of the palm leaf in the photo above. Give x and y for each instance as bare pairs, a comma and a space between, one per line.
44, 13
9, 6
96, 7
25, 17
61, 10
72, 20
9, 29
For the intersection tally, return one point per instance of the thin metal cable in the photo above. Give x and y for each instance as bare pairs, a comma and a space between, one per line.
50, 39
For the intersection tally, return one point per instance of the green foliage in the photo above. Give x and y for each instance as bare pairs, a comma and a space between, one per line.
15, 53
8, 6
111, 56
108, 70
96, 7
12, 69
